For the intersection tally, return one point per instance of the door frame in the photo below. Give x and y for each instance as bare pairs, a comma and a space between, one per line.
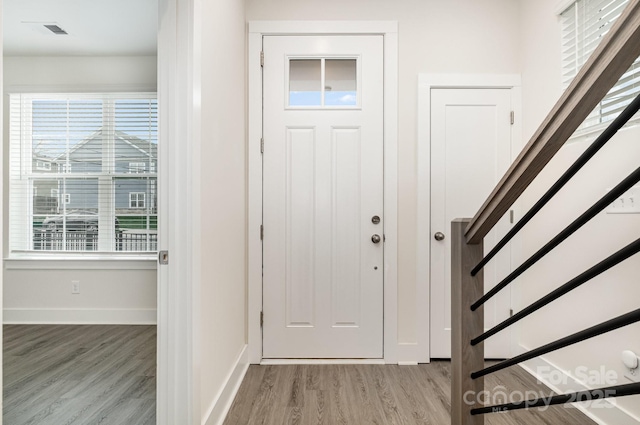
178, 308
177, 387
427, 82
258, 29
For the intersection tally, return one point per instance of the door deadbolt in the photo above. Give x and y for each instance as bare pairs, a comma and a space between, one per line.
439, 236
375, 239
375, 219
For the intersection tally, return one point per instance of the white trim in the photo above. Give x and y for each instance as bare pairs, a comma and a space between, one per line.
407, 353
322, 27
219, 409
74, 263
612, 414
283, 362
178, 381
426, 82
475, 81
81, 88
2, 218
389, 30
79, 316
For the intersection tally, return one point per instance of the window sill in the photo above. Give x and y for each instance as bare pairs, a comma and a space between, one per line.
590, 133
70, 261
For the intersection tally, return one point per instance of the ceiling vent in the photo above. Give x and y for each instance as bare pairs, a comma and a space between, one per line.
56, 29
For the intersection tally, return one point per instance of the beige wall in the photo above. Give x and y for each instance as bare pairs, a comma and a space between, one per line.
223, 198
614, 292
106, 295
481, 37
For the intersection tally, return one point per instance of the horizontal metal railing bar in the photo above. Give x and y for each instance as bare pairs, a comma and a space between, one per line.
600, 141
601, 267
587, 395
608, 326
600, 205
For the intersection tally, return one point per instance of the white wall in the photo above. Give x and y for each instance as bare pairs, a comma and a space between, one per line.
223, 206
435, 36
616, 291
81, 73
106, 295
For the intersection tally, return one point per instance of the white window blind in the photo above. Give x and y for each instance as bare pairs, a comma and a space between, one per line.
584, 24
70, 172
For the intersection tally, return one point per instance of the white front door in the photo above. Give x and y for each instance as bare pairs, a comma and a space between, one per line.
323, 197
470, 151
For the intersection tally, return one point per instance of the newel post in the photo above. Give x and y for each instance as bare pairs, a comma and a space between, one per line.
465, 325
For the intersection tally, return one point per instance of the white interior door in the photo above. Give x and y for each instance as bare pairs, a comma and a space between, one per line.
322, 186
470, 151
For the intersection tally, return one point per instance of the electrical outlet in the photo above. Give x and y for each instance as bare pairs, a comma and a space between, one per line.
75, 286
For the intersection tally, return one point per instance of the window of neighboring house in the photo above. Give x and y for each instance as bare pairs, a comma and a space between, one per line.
584, 24
136, 199
137, 167
103, 136
45, 166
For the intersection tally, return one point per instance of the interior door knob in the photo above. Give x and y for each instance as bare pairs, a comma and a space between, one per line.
375, 239
439, 236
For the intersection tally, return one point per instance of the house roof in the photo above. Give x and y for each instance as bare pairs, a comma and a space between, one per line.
143, 146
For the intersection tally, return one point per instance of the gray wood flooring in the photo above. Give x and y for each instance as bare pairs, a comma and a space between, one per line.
371, 394
72, 375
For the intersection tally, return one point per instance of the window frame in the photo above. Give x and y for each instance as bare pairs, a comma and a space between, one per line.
43, 165
573, 58
322, 83
137, 200
137, 167
65, 198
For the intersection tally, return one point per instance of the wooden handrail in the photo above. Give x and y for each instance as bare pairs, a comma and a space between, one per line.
613, 57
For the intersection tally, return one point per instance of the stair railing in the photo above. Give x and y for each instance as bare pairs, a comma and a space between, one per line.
615, 54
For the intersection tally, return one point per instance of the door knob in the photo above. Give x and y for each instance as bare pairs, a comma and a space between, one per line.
439, 236
375, 239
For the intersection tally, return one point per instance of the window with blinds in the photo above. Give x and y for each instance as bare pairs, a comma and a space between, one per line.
584, 24
83, 172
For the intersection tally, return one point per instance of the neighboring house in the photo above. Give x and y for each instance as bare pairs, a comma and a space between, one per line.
132, 193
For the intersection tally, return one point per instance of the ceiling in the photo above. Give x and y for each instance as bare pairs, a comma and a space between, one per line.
94, 27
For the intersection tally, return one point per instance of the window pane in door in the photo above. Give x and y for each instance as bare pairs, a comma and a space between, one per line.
305, 82
340, 82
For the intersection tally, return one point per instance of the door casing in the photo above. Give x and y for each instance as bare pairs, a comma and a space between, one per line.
258, 29
426, 82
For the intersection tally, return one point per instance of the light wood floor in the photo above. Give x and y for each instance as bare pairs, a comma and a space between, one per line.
72, 375
371, 394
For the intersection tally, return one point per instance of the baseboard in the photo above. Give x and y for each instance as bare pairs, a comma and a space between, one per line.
286, 362
407, 353
609, 415
63, 316
222, 402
